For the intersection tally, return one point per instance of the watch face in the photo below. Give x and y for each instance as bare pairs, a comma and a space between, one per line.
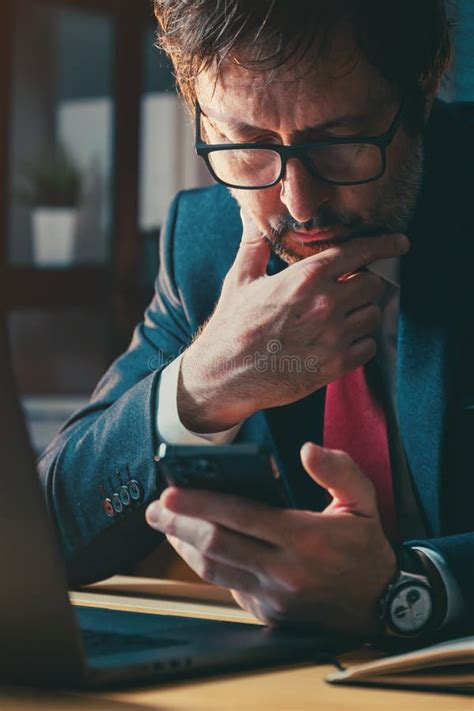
410, 608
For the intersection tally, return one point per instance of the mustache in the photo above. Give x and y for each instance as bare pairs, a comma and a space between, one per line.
326, 217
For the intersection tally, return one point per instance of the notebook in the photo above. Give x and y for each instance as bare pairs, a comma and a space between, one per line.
447, 666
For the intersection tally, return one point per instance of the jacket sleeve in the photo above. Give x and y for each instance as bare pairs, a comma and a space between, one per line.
458, 553
108, 447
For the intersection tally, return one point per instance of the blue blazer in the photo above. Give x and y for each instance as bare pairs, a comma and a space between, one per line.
113, 441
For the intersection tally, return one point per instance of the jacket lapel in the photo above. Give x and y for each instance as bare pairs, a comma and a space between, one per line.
430, 332
422, 392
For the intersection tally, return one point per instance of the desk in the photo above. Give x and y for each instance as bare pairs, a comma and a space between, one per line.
287, 689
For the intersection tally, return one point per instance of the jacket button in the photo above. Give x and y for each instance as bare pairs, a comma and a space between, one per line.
135, 490
117, 503
124, 495
109, 508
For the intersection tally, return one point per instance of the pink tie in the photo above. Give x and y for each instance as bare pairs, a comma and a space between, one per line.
356, 423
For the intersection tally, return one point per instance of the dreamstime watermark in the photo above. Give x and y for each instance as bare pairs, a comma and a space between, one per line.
272, 360
160, 360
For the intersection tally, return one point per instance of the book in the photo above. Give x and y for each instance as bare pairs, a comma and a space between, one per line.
447, 666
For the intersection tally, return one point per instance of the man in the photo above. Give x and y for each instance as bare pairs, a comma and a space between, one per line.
332, 321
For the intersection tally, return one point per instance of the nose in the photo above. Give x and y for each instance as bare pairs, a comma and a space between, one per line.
301, 193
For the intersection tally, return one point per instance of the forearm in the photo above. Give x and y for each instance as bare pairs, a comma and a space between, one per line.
105, 449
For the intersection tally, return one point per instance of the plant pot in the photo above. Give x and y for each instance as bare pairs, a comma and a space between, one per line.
54, 236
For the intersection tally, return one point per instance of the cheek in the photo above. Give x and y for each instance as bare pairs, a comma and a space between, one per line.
263, 205
361, 199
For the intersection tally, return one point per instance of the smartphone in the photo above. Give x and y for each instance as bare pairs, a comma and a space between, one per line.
246, 470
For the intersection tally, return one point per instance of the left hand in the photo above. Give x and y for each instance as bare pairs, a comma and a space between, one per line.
286, 565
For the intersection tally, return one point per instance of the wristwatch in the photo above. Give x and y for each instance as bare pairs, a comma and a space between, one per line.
414, 603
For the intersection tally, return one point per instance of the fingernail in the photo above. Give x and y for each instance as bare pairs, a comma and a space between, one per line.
153, 512
307, 448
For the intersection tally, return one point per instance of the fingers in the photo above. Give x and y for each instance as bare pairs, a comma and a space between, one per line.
214, 572
360, 352
252, 258
361, 289
351, 256
213, 541
363, 322
233, 512
341, 477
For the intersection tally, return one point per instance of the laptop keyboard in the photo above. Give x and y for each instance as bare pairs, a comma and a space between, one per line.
98, 643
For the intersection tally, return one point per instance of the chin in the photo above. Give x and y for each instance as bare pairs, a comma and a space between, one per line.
296, 252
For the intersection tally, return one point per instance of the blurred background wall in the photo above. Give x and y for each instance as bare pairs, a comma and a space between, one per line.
85, 75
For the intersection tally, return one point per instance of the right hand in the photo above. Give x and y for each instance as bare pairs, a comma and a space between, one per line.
273, 340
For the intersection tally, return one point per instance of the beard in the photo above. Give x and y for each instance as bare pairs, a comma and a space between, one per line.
391, 212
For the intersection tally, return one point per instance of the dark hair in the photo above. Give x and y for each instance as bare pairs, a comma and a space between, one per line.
406, 40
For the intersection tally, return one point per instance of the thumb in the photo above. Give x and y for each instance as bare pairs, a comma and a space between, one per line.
252, 258
336, 472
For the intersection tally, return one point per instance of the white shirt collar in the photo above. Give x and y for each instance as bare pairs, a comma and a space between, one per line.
388, 269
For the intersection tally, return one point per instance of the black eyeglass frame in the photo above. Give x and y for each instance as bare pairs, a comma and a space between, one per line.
382, 142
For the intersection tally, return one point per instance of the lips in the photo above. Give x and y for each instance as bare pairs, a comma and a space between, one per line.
320, 236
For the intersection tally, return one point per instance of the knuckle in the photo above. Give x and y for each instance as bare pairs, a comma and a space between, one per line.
210, 540
207, 570
318, 264
308, 270
325, 305
171, 527
325, 259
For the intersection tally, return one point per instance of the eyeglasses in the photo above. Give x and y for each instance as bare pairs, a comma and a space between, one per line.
338, 161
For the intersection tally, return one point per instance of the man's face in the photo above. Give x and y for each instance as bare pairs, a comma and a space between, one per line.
318, 99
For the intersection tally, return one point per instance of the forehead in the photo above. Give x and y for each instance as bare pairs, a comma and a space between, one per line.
294, 97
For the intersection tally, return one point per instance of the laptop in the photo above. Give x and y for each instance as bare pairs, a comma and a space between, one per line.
48, 642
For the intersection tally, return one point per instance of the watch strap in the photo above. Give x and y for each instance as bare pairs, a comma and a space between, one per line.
439, 596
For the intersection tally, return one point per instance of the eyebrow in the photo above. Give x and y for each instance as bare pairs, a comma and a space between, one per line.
243, 127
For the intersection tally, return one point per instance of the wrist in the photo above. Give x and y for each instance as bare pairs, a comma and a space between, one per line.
413, 605
205, 399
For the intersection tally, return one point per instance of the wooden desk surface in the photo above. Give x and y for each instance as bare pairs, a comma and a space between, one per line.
288, 689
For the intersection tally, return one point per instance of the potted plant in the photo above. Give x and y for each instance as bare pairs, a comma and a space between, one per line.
53, 189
